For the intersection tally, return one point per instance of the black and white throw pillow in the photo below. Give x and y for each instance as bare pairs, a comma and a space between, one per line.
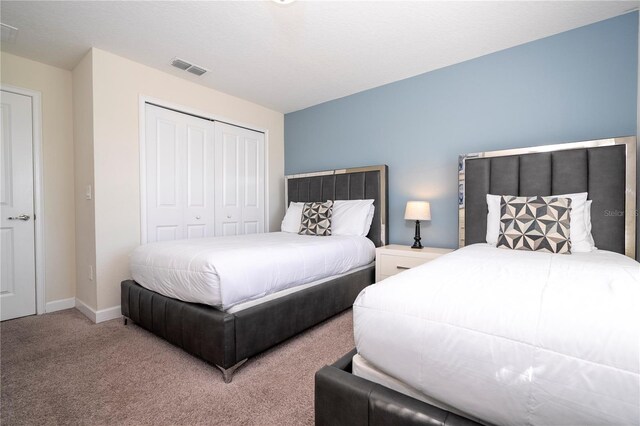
535, 223
316, 219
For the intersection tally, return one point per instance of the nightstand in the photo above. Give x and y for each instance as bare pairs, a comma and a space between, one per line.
393, 259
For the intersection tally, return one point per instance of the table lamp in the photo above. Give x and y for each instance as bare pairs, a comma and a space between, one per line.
417, 210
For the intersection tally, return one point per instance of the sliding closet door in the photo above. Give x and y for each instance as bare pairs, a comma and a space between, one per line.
179, 175
239, 179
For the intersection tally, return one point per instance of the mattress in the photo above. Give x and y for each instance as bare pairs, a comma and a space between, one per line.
250, 303
226, 271
511, 337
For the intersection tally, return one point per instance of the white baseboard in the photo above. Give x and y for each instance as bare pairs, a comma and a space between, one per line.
86, 310
99, 315
59, 305
108, 314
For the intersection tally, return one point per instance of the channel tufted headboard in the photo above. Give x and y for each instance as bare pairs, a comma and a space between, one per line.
605, 168
346, 184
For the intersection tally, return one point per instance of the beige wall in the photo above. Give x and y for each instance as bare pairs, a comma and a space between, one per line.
91, 137
84, 166
118, 84
58, 168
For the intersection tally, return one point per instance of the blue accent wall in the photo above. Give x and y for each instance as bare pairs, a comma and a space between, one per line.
577, 85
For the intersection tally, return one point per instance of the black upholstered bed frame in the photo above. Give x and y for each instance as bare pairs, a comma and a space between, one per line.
342, 399
228, 339
606, 169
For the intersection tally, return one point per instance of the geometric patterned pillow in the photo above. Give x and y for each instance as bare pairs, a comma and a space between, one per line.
316, 219
535, 223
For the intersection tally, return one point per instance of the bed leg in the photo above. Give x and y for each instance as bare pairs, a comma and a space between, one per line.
125, 320
227, 373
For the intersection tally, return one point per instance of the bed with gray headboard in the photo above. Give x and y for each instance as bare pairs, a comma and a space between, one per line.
431, 370
227, 339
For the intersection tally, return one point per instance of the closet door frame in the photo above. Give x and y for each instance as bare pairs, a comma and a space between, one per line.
143, 101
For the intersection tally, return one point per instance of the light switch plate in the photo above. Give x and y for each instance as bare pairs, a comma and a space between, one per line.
88, 192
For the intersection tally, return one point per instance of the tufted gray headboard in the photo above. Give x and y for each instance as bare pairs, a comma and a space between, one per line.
605, 168
346, 184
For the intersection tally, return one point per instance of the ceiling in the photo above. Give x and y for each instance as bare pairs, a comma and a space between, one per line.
289, 57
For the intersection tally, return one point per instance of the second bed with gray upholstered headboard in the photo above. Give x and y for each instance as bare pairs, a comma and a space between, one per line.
506, 336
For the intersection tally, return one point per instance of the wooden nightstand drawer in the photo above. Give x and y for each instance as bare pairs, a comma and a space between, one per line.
393, 259
391, 265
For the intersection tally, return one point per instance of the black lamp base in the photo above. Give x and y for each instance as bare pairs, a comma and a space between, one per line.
416, 239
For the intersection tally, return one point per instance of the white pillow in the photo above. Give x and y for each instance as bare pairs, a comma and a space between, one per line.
587, 220
292, 218
580, 235
352, 217
367, 225
493, 219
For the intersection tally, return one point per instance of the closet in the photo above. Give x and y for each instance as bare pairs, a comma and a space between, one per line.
201, 178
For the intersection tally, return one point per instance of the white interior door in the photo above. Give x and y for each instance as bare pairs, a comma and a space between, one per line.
239, 180
17, 232
179, 175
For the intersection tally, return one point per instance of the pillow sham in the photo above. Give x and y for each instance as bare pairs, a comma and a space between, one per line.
370, 215
581, 238
587, 221
316, 219
292, 218
535, 224
352, 217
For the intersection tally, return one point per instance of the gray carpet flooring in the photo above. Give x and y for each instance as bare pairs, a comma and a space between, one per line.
60, 368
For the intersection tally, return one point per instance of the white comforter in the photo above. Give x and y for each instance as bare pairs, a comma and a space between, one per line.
225, 271
512, 337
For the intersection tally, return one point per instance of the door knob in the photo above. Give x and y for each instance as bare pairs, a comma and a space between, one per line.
21, 217
197, 217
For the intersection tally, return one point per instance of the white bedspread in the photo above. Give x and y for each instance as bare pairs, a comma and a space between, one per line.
225, 271
512, 337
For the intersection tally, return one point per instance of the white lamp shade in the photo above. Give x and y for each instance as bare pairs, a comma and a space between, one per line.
418, 210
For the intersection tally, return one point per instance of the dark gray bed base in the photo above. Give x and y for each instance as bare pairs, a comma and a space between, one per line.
227, 340
342, 399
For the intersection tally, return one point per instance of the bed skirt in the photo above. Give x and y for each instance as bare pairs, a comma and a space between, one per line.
342, 399
225, 339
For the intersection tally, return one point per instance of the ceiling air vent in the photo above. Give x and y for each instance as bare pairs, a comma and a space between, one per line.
179, 63
194, 69
186, 66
